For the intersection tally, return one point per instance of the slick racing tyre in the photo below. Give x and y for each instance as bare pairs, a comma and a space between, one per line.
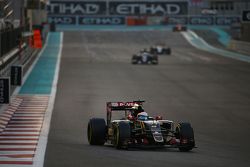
154, 60
121, 135
168, 51
185, 133
96, 131
134, 59
153, 50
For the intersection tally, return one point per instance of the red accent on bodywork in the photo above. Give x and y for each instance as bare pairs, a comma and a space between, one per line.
145, 141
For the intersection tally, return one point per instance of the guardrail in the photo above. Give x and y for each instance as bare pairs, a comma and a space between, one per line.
240, 46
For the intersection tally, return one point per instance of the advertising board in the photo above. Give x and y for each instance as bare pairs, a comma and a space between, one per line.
102, 20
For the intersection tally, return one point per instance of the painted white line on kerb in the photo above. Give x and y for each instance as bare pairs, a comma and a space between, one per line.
38, 160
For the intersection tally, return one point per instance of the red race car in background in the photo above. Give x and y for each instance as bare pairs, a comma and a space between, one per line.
179, 28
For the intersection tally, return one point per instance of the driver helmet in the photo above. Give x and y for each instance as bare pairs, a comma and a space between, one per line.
158, 117
137, 109
142, 116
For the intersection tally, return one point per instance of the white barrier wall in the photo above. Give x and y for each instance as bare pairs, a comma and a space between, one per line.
240, 46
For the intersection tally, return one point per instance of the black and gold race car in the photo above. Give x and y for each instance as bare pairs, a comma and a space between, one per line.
138, 130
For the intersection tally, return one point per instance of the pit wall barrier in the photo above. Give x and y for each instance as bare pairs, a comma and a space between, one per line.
240, 46
143, 20
184, 20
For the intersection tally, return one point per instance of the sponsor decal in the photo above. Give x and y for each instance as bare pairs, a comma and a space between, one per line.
155, 8
4, 90
201, 20
209, 11
114, 12
102, 20
62, 19
227, 20
16, 75
121, 104
77, 7
177, 20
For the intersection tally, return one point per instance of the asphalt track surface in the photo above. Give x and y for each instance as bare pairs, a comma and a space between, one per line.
210, 91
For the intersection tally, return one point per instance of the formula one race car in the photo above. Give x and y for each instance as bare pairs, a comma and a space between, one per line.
138, 131
144, 57
179, 28
160, 49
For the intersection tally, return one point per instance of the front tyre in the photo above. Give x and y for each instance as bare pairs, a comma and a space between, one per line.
154, 60
185, 133
134, 59
96, 131
168, 51
121, 135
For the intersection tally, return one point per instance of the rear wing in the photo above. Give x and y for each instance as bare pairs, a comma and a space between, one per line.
120, 106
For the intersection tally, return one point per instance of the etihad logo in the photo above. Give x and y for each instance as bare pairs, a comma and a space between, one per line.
73, 8
101, 20
147, 9
158, 8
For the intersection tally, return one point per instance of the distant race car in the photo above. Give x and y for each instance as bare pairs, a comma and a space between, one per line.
179, 27
160, 49
140, 131
144, 57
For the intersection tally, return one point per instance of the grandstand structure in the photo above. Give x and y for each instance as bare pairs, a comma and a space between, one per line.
222, 7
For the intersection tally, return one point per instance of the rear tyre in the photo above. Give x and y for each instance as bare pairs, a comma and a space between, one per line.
121, 135
153, 50
96, 131
185, 133
154, 60
168, 51
134, 59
